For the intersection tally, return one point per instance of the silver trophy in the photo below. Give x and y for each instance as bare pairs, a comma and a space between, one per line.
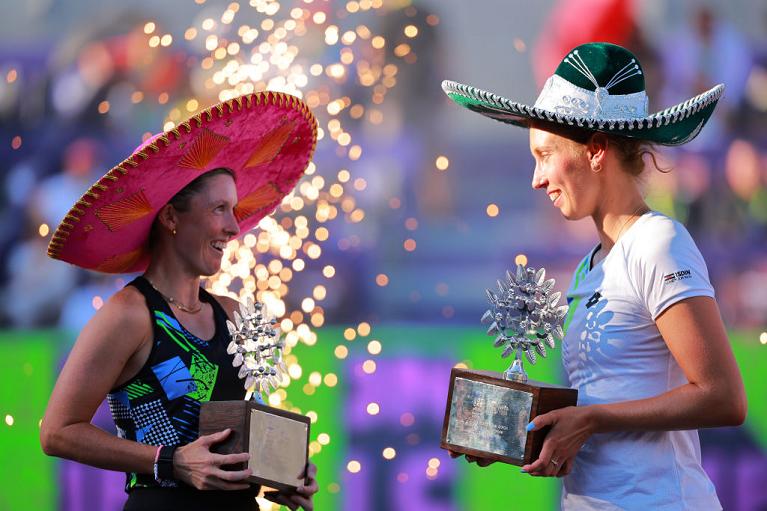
277, 440
525, 317
487, 413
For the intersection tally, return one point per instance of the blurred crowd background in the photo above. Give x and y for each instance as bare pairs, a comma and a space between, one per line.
417, 205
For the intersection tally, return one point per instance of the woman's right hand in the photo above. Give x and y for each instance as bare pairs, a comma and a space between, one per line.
197, 466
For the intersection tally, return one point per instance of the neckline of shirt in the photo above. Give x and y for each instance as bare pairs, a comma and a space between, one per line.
204, 296
621, 239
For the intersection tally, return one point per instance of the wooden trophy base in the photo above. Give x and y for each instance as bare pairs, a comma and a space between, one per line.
278, 441
486, 415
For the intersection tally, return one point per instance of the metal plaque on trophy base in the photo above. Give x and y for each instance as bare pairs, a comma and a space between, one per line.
487, 413
277, 440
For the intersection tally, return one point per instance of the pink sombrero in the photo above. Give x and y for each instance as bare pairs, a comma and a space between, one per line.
266, 139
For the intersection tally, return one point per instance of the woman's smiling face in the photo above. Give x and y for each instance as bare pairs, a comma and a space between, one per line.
563, 170
208, 225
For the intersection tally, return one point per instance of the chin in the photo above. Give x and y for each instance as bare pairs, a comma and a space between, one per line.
209, 263
572, 215
209, 268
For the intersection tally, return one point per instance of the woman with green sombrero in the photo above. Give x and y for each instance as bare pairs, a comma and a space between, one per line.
645, 344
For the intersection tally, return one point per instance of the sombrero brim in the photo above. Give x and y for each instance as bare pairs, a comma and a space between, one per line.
672, 126
267, 139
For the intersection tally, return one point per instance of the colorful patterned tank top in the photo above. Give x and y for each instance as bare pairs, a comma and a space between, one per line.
161, 404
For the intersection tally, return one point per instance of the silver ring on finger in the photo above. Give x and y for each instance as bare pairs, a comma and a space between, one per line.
554, 462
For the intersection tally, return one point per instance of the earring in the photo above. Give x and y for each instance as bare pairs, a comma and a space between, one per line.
173, 232
596, 167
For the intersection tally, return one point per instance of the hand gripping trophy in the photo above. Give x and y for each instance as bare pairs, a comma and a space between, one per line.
487, 412
277, 440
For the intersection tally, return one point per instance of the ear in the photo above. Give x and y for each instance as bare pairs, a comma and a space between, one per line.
596, 149
168, 217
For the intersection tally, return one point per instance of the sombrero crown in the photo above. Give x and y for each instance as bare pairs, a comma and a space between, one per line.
599, 87
266, 139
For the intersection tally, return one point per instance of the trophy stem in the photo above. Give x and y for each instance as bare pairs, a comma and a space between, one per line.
516, 372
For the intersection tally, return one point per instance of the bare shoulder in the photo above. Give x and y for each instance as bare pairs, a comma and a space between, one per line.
125, 316
128, 306
228, 303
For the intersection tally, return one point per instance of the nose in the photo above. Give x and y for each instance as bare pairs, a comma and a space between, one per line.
232, 227
539, 179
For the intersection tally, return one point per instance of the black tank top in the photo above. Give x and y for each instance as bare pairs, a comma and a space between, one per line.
161, 404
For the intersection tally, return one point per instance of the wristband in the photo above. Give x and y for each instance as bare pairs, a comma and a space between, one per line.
163, 466
154, 465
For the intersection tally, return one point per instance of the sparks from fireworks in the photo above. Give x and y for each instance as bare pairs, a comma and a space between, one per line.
311, 51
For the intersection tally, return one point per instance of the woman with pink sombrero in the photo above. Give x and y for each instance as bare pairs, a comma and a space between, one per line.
157, 349
644, 345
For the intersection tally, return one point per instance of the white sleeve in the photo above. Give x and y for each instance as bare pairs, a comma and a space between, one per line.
668, 267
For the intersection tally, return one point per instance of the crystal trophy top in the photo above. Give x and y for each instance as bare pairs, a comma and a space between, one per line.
524, 317
257, 349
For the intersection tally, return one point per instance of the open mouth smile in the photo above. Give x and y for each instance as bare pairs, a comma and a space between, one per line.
218, 246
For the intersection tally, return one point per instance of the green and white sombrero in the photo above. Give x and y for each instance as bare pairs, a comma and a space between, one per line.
598, 87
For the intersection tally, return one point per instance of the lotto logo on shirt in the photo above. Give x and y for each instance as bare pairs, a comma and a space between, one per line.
677, 275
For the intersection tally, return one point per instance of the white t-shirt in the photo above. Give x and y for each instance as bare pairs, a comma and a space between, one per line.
613, 352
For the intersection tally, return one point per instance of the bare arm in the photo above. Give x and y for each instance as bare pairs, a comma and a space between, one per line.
695, 335
101, 354
109, 351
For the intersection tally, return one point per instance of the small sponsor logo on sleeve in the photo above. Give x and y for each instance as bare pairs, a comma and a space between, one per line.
677, 275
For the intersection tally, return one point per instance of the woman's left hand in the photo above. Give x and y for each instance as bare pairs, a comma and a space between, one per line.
570, 428
302, 496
